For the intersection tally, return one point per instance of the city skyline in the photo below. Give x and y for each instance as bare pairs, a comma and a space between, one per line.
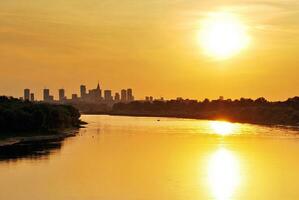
96, 95
56, 95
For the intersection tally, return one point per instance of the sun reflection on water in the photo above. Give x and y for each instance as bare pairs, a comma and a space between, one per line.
223, 174
222, 127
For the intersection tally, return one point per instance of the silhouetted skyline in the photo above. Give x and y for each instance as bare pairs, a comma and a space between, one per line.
92, 95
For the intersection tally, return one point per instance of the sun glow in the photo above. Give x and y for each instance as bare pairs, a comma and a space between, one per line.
223, 35
223, 174
222, 127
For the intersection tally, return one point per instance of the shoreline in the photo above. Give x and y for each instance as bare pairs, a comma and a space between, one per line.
37, 137
287, 126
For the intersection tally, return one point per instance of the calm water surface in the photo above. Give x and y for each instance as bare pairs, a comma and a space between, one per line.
128, 158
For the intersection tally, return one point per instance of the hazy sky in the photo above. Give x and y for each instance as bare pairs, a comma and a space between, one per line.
149, 45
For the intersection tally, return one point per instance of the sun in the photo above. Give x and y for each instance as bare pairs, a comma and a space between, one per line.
223, 35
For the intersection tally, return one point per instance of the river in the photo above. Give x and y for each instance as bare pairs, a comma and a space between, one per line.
148, 158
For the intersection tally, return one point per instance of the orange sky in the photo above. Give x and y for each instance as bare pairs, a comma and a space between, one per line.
150, 46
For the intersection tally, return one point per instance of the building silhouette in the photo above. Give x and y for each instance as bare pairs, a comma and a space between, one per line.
92, 96
82, 91
130, 96
108, 95
47, 96
117, 97
32, 97
123, 95
74, 96
61, 95
26, 94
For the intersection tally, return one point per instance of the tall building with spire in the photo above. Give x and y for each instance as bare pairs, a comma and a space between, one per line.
94, 95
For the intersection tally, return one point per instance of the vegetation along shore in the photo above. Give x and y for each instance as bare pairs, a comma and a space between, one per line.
259, 111
25, 116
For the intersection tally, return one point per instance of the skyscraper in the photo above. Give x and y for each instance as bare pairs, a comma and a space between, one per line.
74, 96
26, 94
32, 97
83, 91
130, 96
95, 94
46, 93
123, 94
117, 97
61, 95
108, 95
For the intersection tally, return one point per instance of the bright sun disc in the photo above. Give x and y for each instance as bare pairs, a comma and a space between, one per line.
222, 35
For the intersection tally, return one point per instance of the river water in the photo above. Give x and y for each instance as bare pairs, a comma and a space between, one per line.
148, 158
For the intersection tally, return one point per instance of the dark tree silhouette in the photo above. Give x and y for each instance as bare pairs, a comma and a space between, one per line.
16, 115
258, 111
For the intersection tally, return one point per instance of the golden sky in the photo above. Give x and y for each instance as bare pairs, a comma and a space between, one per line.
149, 45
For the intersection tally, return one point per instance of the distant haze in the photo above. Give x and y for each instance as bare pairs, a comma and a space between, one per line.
150, 46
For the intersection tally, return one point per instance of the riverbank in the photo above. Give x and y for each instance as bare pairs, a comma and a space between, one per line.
283, 126
34, 145
25, 116
259, 111
19, 138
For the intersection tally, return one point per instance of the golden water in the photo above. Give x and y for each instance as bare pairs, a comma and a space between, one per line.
128, 158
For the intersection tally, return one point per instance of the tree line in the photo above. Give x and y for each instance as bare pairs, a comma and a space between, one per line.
17, 115
258, 111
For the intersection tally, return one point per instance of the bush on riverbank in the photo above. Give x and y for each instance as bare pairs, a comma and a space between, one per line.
258, 111
16, 115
